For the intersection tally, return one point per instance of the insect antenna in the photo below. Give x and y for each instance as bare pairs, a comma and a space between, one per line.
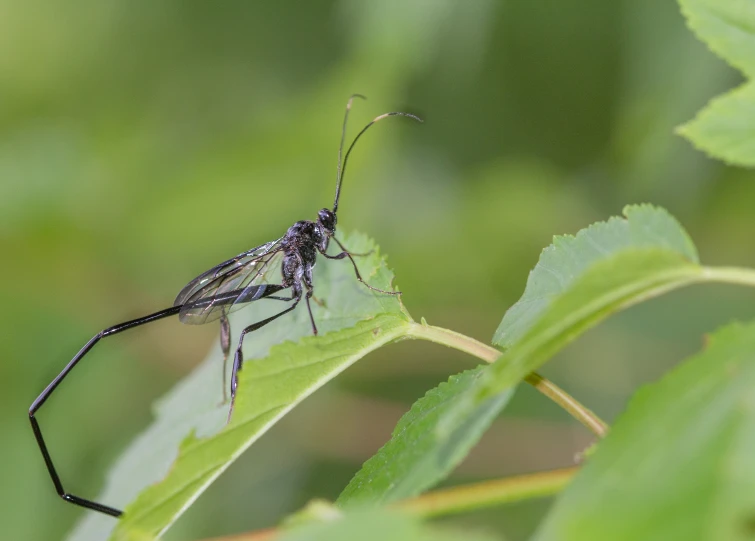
343, 133
342, 166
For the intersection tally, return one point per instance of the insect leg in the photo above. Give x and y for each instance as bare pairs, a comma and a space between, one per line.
348, 254
42, 398
349, 251
307, 281
280, 298
309, 309
225, 346
238, 359
363, 254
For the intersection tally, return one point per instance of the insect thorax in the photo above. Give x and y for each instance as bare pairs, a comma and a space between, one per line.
303, 239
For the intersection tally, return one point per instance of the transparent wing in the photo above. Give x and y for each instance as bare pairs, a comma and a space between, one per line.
227, 286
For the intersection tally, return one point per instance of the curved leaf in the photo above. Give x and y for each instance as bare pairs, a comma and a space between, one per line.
275, 385
620, 278
569, 257
578, 281
612, 284
419, 455
679, 463
188, 445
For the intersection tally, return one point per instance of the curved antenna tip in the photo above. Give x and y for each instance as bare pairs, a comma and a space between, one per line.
343, 135
342, 166
397, 113
351, 100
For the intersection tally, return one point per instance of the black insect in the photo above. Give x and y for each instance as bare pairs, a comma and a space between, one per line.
259, 273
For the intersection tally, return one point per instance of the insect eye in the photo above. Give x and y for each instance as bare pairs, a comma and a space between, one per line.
327, 218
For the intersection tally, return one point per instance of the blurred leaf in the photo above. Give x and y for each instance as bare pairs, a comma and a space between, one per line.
419, 454
376, 525
678, 464
317, 510
569, 257
727, 27
190, 423
724, 128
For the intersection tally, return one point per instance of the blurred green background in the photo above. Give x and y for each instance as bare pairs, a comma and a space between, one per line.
142, 142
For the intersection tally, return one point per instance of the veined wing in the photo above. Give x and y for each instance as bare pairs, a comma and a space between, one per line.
227, 286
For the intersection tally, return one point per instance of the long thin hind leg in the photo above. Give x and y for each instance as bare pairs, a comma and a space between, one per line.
238, 359
42, 398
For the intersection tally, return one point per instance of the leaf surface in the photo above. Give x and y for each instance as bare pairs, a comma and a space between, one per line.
419, 454
578, 281
189, 445
561, 263
678, 464
628, 263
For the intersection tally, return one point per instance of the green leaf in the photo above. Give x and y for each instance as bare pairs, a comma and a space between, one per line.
609, 285
272, 388
578, 281
654, 256
727, 27
723, 128
418, 455
377, 525
188, 445
678, 464
569, 257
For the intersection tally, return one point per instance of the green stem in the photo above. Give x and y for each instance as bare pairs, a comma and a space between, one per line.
459, 499
490, 493
490, 354
574, 408
454, 340
729, 275
258, 535
487, 493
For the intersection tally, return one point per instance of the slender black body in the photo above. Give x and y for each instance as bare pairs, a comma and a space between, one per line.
214, 294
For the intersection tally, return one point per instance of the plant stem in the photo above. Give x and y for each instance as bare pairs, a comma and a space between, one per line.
489, 354
267, 534
729, 275
460, 499
487, 493
568, 403
454, 340
490, 493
